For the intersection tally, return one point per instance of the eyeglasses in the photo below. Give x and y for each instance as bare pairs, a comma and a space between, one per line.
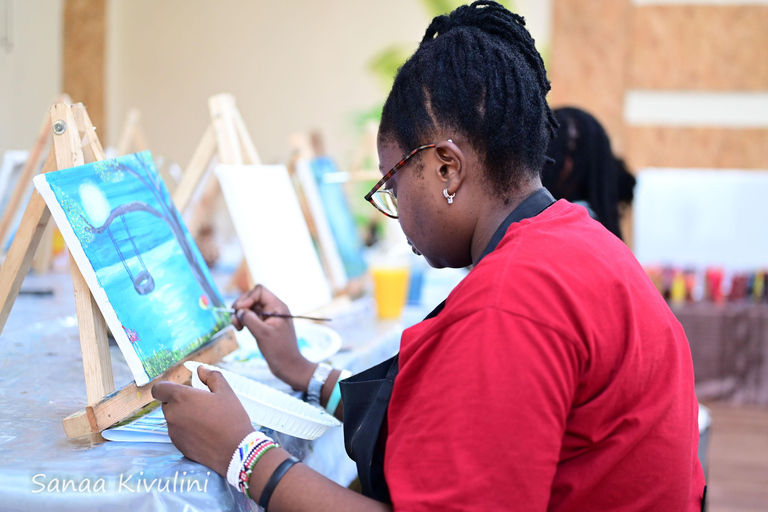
383, 199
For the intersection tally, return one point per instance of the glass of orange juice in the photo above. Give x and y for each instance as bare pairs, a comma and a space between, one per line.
390, 289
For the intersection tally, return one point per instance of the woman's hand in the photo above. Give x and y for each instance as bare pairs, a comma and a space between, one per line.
205, 426
275, 336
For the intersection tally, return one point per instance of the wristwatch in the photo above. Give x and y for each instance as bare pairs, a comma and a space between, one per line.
321, 374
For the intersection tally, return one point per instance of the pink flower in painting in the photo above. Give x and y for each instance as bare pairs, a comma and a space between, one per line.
133, 336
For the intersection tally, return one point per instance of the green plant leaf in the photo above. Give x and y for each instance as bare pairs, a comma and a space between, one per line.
384, 65
438, 7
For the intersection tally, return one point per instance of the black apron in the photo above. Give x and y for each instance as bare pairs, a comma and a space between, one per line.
366, 395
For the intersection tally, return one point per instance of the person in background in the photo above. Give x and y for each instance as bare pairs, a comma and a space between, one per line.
553, 377
583, 170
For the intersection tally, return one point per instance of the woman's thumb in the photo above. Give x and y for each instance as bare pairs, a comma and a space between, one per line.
213, 379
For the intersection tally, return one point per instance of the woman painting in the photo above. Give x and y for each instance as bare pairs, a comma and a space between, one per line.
553, 377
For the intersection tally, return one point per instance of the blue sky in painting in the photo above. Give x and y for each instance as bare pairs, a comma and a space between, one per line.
174, 313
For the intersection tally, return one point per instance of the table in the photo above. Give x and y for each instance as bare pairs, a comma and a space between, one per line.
41, 382
729, 346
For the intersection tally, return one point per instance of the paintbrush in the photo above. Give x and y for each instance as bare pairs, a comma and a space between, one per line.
278, 315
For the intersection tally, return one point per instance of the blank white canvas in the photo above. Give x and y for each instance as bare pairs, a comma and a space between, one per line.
274, 235
702, 217
13, 161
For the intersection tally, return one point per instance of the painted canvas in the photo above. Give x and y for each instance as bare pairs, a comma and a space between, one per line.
10, 172
273, 234
339, 216
10, 169
306, 186
140, 262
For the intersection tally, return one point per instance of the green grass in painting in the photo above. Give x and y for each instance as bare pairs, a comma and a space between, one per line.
160, 361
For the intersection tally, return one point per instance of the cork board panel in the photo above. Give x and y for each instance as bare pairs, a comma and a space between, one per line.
652, 146
587, 68
84, 38
698, 47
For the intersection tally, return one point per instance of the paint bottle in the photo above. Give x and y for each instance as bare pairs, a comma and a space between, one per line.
677, 289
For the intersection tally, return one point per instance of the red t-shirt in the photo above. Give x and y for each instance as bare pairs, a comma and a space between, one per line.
556, 378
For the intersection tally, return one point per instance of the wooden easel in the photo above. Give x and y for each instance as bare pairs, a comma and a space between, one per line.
75, 143
303, 151
42, 259
307, 147
132, 138
364, 163
227, 138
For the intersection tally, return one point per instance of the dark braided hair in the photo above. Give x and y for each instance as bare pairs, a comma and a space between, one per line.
477, 72
583, 167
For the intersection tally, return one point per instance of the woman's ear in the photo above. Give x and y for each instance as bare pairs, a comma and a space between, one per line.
452, 165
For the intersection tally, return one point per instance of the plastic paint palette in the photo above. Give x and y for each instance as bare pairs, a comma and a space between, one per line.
272, 408
316, 342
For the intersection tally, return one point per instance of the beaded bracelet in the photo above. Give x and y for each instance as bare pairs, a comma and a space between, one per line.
250, 449
250, 462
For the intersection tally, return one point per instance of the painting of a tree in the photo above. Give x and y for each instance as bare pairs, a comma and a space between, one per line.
143, 266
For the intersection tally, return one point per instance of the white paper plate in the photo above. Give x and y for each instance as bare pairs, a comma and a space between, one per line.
316, 342
272, 408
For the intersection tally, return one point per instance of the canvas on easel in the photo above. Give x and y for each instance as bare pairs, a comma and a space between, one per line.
321, 185
226, 141
273, 234
11, 170
142, 266
314, 213
11, 167
334, 200
75, 144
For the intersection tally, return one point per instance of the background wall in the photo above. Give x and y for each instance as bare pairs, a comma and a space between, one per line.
291, 65
677, 83
30, 67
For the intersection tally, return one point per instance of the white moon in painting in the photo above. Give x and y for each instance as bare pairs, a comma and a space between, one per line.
95, 204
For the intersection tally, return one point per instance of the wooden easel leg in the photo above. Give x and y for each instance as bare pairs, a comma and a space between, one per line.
91, 146
241, 280
97, 362
195, 171
250, 156
221, 108
14, 202
41, 262
128, 132
19, 257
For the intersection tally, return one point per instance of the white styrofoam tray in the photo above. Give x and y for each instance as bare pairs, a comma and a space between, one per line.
272, 408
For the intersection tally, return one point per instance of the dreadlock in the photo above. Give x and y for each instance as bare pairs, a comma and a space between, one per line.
477, 72
583, 167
